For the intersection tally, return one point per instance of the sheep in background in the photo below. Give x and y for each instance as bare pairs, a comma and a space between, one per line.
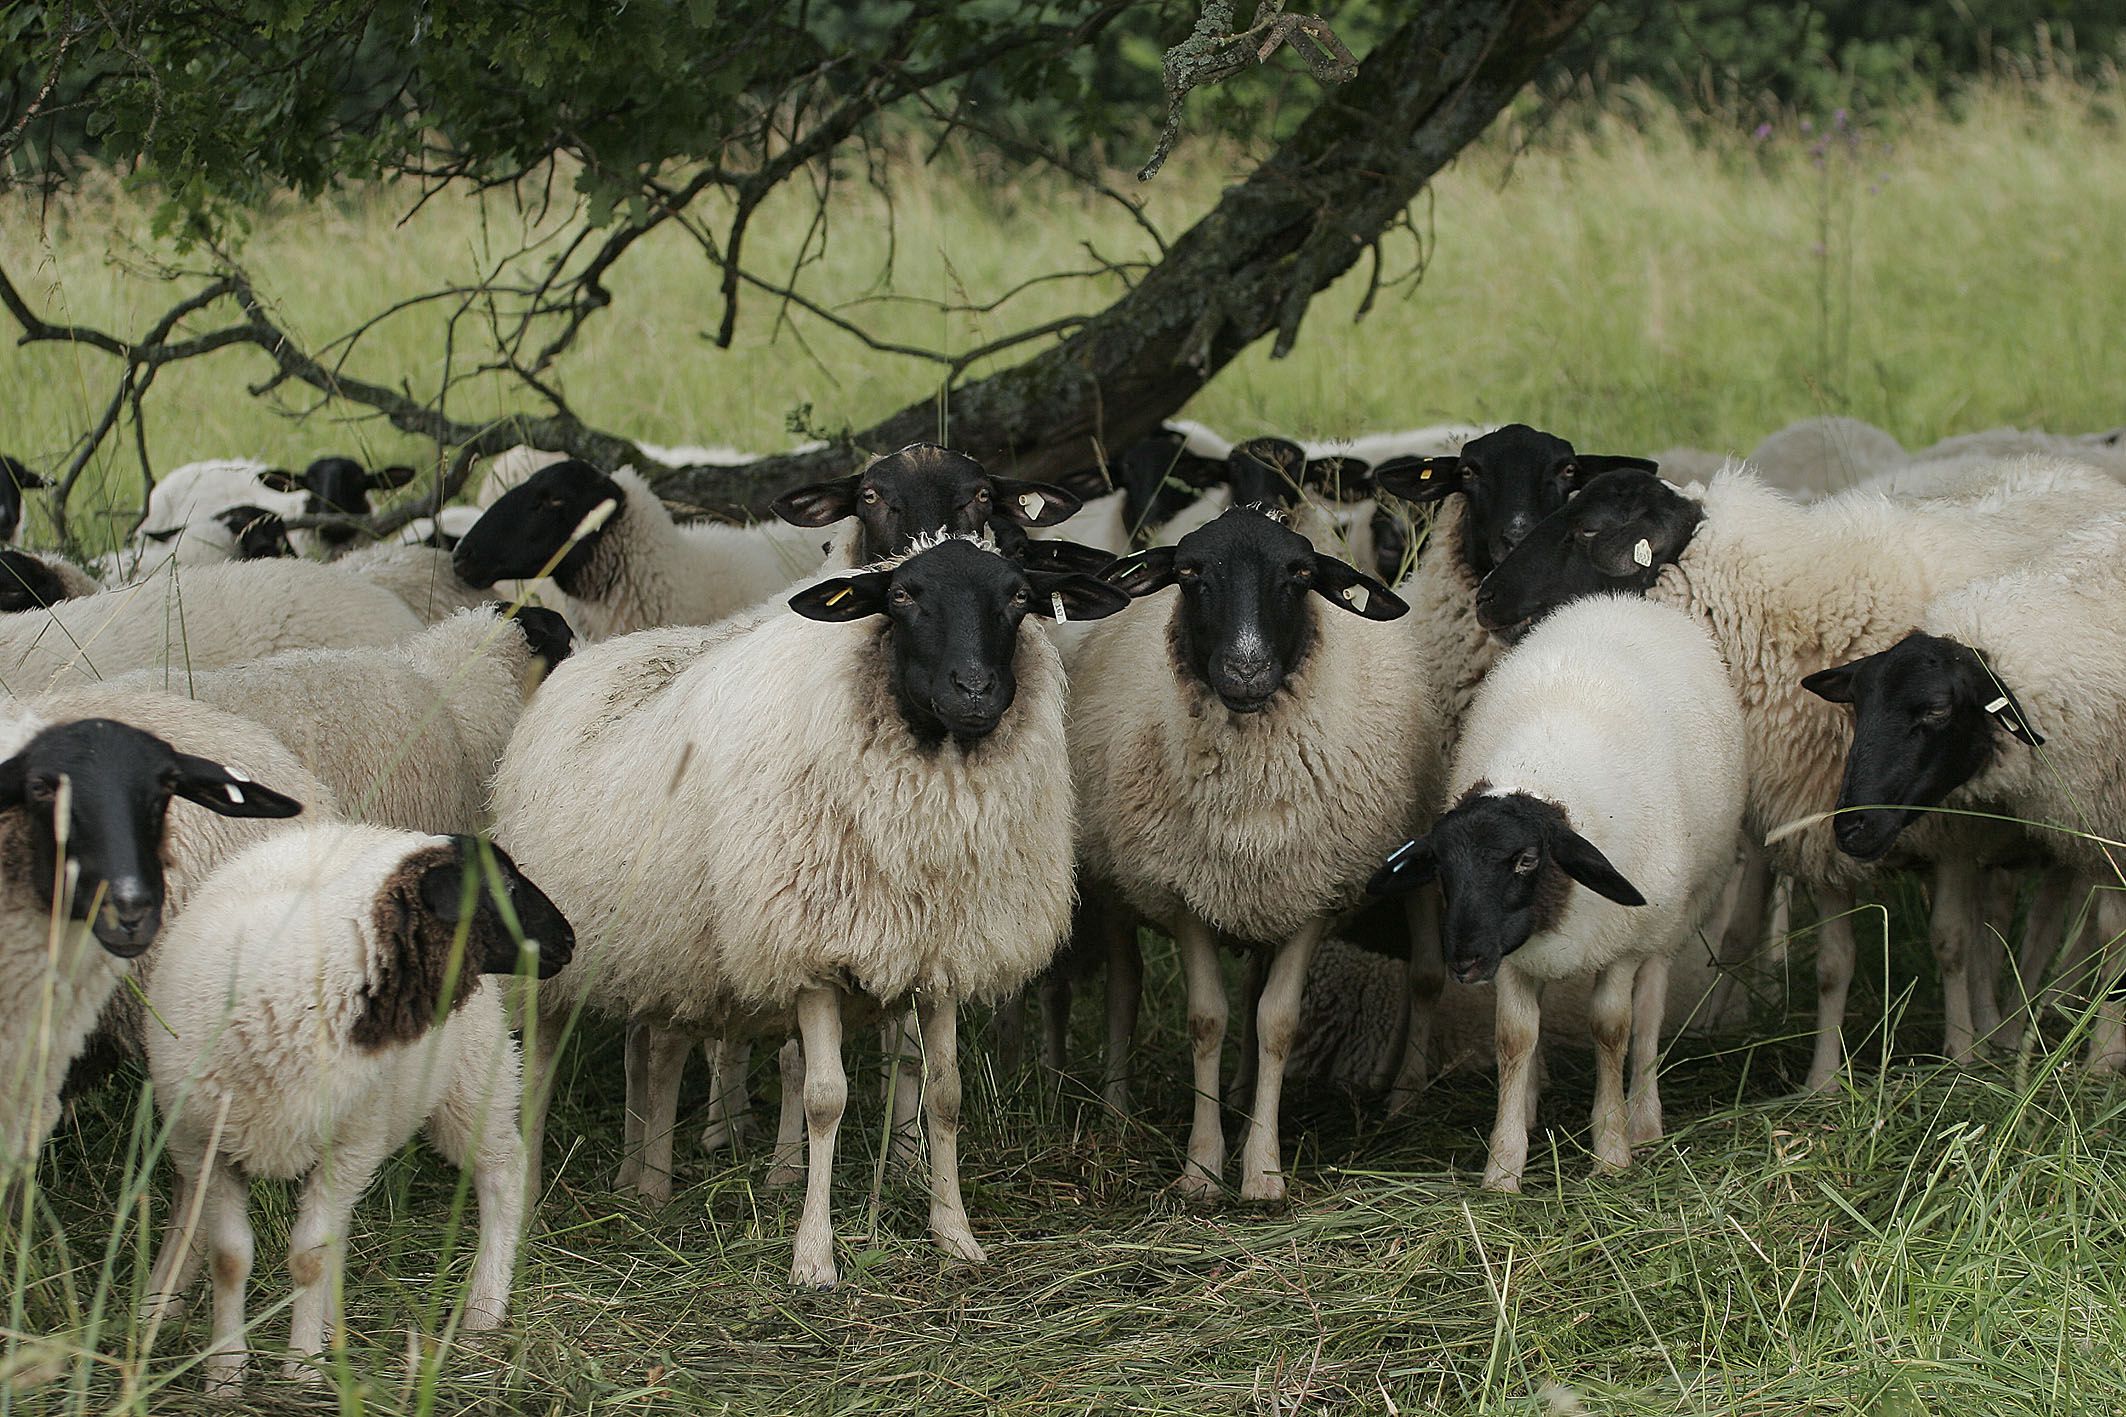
1819, 456
863, 792
1240, 751
1605, 752
16, 478
326, 996
31, 580
424, 577
924, 489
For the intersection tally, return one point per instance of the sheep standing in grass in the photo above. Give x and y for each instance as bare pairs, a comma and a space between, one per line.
407, 735
758, 819
89, 840
1242, 747
203, 618
1605, 752
326, 996
2008, 697
1788, 589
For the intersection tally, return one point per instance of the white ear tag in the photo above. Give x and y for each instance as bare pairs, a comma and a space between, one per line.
1400, 853
238, 773
1031, 503
1357, 597
1055, 603
1998, 704
236, 794
1642, 551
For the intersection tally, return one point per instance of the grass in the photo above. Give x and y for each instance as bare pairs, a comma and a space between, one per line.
1930, 1239
1633, 282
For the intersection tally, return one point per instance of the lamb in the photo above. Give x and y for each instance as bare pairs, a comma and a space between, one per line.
204, 618
326, 996
1788, 589
197, 492
128, 864
1606, 751
407, 735
421, 576
16, 478
2034, 658
1819, 456
31, 580
1239, 753
793, 806
243, 532
337, 485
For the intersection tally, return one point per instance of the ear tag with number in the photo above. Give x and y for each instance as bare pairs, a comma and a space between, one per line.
1642, 551
1055, 603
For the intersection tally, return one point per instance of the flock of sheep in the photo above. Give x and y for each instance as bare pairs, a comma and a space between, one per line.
274, 807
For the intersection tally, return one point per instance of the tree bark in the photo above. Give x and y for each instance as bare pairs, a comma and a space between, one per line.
1247, 268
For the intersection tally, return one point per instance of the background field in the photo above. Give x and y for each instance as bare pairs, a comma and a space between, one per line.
1932, 1240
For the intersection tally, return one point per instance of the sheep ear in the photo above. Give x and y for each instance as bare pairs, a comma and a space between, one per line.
22, 476
1034, 503
818, 503
1142, 572
1577, 857
397, 475
1408, 866
1061, 557
2006, 711
282, 480
14, 783
844, 598
164, 536
1420, 479
1074, 597
1833, 685
1348, 588
217, 789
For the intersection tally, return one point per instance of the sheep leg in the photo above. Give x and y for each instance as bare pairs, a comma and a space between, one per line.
538, 1097
1834, 980
2075, 975
2107, 1044
1206, 1027
1055, 1020
1423, 983
1649, 1011
1742, 931
1954, 927
1609, 1019
1009, 1022
317, 1246
2043, 929
941, 1107
1125, 988
1989, 948
474, 1127
659, 1108
176, 1262
905, 1049
1252, 975
788, 1168
226, 1223
1519, 1027
635, 1061
819, 1025
1277, 1025
730, 1105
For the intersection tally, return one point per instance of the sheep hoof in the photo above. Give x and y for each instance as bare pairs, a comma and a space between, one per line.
224, 1381
783, 1175
1196, 1188
303, 1372
814, 1273
654, 1186
629, 1176
1643, 1131
959, 1242
485, 1313
1504, 1182
722, 1133
1263, 1188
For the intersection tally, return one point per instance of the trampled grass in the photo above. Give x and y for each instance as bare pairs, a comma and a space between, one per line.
1634, 284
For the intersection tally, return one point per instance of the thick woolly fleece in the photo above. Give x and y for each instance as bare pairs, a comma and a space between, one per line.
203, 618
421, 576
1620, 712
730, 814
1256, 822
1787, 589
407, 734
54, 984
2055, 634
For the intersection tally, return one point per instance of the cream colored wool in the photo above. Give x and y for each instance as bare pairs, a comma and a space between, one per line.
407, 734
202, 618
1256, 822
261, 983
1454, 650
38, 1041
421, 576
731, 814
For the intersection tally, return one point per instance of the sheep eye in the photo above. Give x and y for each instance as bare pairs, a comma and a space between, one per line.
1188, 573
981, 494
1525, 863
869, 496
1302, 573
1934, 717
1586, 533
900, 595
1569, 470
1021, 597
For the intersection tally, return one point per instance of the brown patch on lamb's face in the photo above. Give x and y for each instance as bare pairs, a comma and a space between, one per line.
403, 996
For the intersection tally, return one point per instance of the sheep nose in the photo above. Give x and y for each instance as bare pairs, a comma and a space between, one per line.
975, 683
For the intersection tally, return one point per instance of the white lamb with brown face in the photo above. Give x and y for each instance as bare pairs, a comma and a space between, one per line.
1599, 787
326, 996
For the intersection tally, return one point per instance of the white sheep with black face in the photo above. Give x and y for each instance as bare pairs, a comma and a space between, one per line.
862, 792
1787, 589
1599, 787
188, 503
325, 996
106, 826
1244, 742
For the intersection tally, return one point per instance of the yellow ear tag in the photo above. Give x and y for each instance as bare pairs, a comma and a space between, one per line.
1426, 475
839, 596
